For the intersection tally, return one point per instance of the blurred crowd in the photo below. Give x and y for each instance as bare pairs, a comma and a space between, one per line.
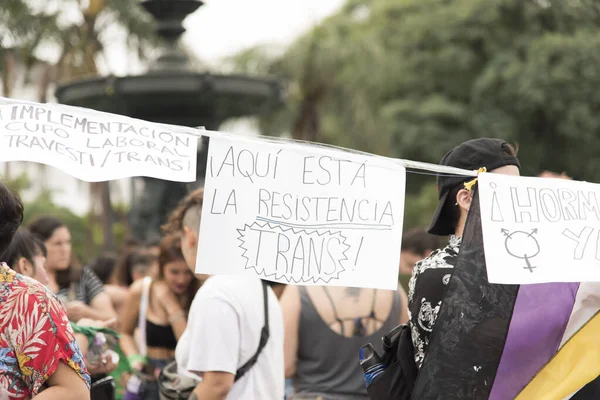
131, 314
142, 324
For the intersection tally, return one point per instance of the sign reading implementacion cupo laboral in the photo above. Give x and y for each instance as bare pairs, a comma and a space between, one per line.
96, 146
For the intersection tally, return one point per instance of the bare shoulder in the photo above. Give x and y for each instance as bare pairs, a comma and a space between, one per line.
136, 288
115, 291
290, 299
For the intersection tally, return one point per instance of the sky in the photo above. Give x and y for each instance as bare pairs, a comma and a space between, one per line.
223, 27
218, 29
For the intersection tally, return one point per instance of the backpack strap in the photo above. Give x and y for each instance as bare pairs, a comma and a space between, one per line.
144, 301
264, 337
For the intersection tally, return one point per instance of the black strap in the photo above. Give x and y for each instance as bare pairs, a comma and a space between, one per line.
335, 314
372, 314
264, 337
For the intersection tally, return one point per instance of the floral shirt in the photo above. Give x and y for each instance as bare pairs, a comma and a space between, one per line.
426, 291
35, 335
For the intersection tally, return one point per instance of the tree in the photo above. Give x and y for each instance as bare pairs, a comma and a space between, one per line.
413, 78
80, 42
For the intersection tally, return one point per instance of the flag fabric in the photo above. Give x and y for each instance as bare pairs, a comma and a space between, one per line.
502, 342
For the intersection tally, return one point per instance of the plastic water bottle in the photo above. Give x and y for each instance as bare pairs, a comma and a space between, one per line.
371, 363
134, 389
97, 349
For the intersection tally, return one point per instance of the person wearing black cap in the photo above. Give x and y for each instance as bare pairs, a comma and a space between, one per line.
431, 275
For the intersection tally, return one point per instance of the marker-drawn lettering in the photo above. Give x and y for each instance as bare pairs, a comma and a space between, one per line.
569, 210
496, 211
524, 206
580, 239
550, 205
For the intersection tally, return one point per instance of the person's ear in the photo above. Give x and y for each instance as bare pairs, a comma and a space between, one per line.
463, 199
190, 236
24, 267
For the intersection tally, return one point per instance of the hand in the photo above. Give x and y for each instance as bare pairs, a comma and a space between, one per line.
76, 310
166, 298
108, 363
137, 366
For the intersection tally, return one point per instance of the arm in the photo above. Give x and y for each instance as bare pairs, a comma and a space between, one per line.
101, 308
58, 364
290, 306
168, 301
83, 343
129, 319
214, 386
404, 305
64, 384
214, 348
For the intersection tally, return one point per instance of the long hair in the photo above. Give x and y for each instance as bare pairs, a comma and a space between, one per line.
24, 244
44, 227
170, 251
103, 266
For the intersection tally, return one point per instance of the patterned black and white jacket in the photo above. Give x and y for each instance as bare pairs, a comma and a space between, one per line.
426, 291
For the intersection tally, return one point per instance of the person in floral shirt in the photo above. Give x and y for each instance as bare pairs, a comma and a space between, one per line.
39, 357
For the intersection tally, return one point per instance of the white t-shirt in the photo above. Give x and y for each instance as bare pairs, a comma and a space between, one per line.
223, 331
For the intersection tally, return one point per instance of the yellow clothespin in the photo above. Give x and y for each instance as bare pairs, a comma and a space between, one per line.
469, 185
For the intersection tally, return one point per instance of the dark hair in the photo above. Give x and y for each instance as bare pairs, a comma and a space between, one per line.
130, 243
419, 241
170, 251
453, 209
11, 210
154, 242
24, 244
43, 228
123, 274
104, 266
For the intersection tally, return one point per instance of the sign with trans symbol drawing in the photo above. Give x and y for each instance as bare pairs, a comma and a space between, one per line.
301, 214
538, 230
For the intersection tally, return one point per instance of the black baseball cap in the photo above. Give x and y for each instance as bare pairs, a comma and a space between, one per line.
471, 155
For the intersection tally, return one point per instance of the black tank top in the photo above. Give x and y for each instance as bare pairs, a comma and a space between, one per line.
160, 336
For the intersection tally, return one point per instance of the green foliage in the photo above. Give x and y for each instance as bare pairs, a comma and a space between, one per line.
86, 232
413, 78
419, 207
80, 227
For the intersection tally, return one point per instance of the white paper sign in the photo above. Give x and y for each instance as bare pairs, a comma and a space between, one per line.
95, 146
539, 230
301, 214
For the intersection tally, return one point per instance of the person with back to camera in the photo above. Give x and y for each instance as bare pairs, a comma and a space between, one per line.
78, 288
227, 321
431, 275
26, 255
325, 327
39, 356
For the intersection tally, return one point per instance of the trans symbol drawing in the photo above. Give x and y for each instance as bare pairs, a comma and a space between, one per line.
522, 245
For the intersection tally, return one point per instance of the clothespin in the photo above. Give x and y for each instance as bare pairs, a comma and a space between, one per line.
469, 185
